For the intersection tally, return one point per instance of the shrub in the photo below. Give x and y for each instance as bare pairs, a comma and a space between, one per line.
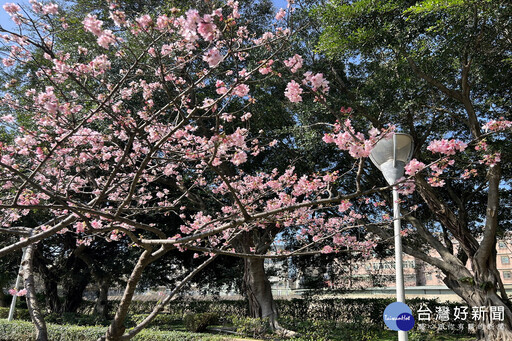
249, 326
162, 321
24, 331
199, 322
19, 314
76, 319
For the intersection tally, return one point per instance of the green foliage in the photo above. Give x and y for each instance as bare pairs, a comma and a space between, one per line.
19, 314
159, 319
314, 319
433, 5
199, 322
428, 336
76, 319
349, 312
249, 326
24, 331
309, 330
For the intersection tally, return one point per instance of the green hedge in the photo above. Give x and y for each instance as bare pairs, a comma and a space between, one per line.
19, 314
24, 331
348, 310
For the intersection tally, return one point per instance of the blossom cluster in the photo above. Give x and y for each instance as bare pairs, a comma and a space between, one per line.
16, 292
346, 138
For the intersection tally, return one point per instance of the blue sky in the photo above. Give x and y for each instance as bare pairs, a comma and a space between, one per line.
6, 21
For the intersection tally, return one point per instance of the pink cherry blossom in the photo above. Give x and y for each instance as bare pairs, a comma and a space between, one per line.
436, 182
317, 81
8, 62
11, 8
344, 206
241, 90
50, 9
93, 25
245, 117
327, 249
207, 29
281, 14
497, 125
106, 39
447, 147
354, 142
239, 158
144, 21
294, 63
293, 92
413, 167
490, 159
468, 173
119, 17
406, 187
267, 67
213, 57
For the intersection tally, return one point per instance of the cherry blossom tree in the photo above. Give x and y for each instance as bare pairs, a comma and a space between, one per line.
122, 130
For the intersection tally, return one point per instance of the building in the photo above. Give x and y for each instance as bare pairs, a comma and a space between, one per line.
377, 275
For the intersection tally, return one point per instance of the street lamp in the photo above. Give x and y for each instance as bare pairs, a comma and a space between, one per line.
390, 156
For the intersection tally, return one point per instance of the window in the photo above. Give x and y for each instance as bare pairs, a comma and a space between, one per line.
507, 274
409, 264
505, 260
502, 245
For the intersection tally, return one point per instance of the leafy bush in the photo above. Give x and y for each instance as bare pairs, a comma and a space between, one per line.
249, 326
161, 321
199, 322
19, 314
76, 319
4, 312
309, 330
24, 331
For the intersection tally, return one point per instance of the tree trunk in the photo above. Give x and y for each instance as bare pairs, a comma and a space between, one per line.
52, 298
101, 306
116, 329
484, 295
2, 298
33, 307
259, 291
73, 293
50, 282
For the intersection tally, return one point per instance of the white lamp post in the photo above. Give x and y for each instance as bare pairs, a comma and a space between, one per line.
17, 287
390, 156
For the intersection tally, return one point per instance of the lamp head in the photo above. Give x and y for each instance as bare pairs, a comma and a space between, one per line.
391, 155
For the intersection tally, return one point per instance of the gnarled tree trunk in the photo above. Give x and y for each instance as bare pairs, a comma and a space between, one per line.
479, 284
259, 291
101, 305
33, 306
484, 296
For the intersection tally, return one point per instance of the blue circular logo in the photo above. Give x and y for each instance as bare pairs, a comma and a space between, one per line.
398, 316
